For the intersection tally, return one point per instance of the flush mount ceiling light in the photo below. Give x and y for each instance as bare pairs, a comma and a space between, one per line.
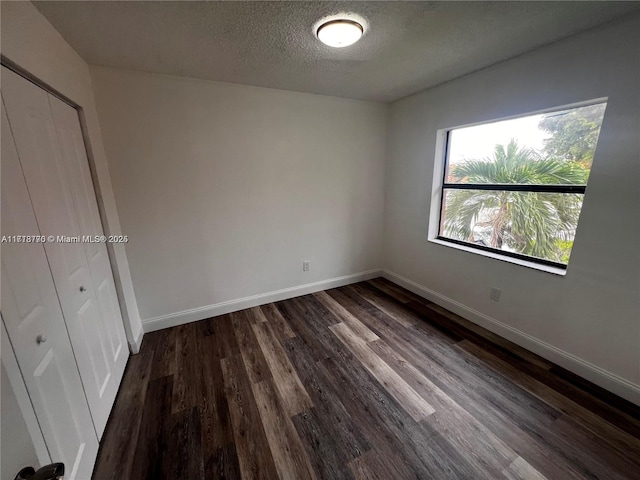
340, 33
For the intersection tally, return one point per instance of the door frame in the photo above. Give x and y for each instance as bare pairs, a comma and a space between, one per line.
14, 67
7, 353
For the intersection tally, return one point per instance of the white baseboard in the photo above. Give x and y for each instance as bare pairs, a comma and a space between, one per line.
134, 346
195, 314
589, 371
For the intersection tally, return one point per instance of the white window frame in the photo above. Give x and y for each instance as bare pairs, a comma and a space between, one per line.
442, 138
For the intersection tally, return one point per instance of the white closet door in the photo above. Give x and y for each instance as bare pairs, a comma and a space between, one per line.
63, 204
110, 339
36, 327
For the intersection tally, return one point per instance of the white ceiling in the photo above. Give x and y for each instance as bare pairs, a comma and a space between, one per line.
407, 46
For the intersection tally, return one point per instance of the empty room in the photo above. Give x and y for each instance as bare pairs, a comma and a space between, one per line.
320, 240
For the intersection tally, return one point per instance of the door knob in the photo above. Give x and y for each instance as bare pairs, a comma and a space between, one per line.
82, 289
25, 474
41, 339
48, 472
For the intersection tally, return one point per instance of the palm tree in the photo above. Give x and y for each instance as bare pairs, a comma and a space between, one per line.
530, 223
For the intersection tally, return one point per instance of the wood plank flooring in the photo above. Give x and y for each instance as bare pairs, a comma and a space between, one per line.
367, 381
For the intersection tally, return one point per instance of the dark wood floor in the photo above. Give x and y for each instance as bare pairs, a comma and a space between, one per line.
365, 381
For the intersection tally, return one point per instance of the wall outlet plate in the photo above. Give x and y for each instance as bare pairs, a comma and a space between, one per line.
305, 266
495, 294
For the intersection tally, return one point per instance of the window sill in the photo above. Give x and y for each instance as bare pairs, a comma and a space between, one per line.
518, 261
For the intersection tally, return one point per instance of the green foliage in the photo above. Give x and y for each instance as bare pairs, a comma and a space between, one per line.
526, 222
512, 164
537, 224
563, 248
574, 134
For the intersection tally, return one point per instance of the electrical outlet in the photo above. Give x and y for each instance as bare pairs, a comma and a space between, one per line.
305, 266
495, 294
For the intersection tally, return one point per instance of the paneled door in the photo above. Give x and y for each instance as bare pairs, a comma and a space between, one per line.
52, 154
36, 327
107, 338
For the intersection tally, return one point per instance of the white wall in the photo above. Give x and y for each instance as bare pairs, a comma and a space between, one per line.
224, 190
17, 447
590, 315
31, 42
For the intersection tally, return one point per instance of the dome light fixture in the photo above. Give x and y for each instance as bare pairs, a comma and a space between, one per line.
340, 33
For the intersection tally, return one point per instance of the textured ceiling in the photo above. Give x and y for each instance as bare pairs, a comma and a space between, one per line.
407, 46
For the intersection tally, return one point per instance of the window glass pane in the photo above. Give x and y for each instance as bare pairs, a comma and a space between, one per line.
540, 225
553, 148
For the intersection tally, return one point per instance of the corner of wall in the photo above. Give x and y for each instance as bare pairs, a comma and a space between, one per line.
387, 167
136, 344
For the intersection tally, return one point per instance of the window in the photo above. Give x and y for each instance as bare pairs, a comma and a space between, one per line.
515, 187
